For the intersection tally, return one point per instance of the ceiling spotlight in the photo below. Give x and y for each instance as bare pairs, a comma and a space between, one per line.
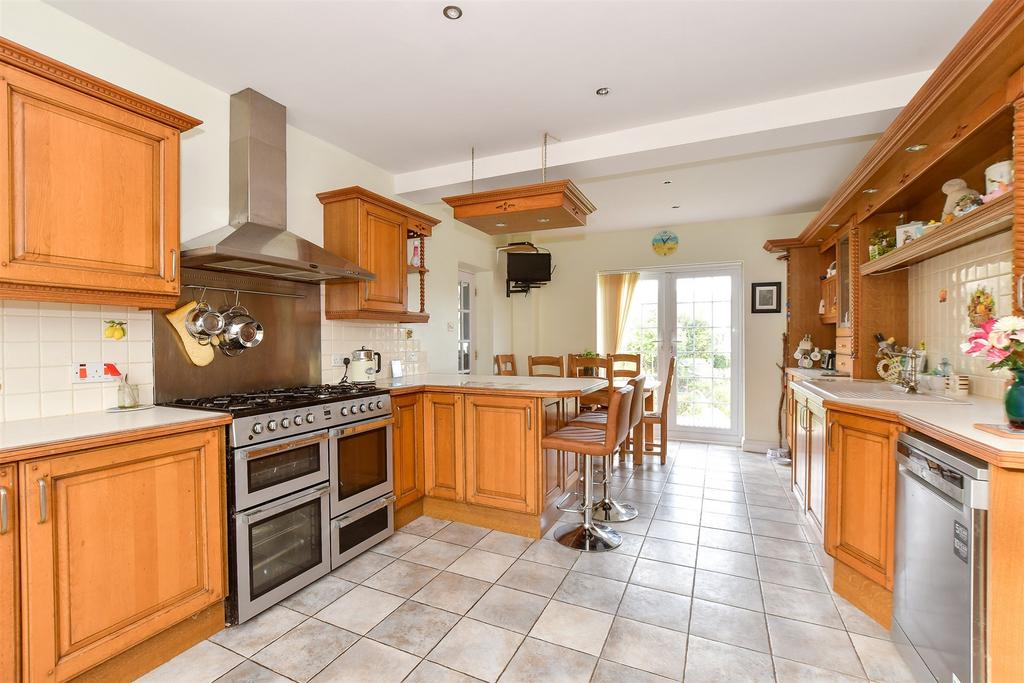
666, 182
870, 190
676, 206
603, 91
833, 225
917, 148
452, 12
499, 225
543, 220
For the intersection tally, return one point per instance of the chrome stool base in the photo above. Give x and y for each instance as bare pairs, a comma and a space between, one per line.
596, 538
610, 511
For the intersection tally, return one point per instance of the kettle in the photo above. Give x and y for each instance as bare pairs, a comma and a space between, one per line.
362, 370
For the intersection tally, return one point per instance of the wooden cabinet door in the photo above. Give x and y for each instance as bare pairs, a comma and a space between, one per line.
10, 647
382, 241
553, 478
443, 448
570, 461
502, 453
860, 494
408, 449
89, 198
816, 467
119, 543
800, 454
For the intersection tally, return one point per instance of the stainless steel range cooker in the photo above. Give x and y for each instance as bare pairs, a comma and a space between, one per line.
310, 485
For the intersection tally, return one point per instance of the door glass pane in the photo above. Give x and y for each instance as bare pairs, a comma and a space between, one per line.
362, 461
641, 334
351, 535
704, 340
283, 546
278, 468
465, 324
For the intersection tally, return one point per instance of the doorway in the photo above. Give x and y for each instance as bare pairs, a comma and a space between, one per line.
695, 314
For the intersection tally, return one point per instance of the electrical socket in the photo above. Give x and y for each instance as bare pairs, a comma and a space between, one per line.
337, 360
84, 373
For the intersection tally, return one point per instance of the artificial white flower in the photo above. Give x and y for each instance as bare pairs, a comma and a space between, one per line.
998, 339
1009, 323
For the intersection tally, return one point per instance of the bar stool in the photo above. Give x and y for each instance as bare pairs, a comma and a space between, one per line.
589, 442
606, 509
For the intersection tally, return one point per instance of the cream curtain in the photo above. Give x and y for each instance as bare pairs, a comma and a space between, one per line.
614, 295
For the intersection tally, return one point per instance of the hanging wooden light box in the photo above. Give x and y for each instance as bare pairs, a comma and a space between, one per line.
527, 208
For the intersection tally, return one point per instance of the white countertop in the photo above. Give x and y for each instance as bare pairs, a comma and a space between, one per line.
957, 418
19, 434
527, 384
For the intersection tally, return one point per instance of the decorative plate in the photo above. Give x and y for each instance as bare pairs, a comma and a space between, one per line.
665, 243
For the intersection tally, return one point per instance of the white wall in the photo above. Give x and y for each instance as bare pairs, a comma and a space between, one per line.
39, 342
561, 317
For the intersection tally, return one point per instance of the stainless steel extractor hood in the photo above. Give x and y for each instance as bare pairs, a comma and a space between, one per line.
256, 242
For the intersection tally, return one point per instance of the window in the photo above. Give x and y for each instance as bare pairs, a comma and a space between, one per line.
465, 305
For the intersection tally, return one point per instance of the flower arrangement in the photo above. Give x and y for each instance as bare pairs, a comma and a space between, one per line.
1000, 341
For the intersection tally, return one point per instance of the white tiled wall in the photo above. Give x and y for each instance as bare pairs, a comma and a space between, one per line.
390, 339
39, 342
943, 326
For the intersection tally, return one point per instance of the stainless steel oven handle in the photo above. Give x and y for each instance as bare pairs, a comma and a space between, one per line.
360, 428
319, 489
256, 453
339, 522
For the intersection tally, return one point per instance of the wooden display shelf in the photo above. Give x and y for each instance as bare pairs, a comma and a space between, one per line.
416, 269
389, 316
994, 217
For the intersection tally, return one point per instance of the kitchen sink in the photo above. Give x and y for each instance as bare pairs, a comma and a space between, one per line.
867, 390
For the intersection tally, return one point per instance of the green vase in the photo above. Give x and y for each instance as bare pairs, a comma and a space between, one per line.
1014, 401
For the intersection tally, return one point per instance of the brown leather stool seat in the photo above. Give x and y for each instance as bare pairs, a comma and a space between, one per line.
589, 442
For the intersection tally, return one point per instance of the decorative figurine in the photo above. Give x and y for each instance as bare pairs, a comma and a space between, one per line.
960, 199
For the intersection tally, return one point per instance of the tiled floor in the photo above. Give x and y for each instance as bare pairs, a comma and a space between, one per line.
715, 581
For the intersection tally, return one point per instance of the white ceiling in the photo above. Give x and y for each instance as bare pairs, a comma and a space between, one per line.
406, 89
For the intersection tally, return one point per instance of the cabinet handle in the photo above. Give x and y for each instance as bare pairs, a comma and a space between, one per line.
529, 419
174, 264
1020, 291
5, 521
43, 507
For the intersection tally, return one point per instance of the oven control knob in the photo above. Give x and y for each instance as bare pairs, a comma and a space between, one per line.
257, 427
272, 425
344, 410
309, 418
285, 423
362, 407
297, 420
380, 405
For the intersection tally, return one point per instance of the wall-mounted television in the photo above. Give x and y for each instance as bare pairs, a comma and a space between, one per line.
527, 267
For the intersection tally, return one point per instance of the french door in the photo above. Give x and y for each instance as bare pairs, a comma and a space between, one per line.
694, 314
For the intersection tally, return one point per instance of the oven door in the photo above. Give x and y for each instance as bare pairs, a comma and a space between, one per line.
361, 468
361, 529
271, 470
280, 548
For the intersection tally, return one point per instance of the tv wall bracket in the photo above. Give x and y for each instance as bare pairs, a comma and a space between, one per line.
511, 286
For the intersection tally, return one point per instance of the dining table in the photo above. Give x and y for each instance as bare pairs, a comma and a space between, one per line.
641, 433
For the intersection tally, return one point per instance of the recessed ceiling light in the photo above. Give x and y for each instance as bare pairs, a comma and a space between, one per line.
917, 148
603, 91
499, 225
543, 220
666, 182
676, 206
870, 190
833, 225
452, 12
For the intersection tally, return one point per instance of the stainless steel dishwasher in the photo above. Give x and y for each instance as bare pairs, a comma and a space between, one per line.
941, 548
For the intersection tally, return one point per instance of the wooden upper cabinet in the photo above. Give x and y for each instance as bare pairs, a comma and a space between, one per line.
408, 449
860, 494
443, 447
373, 232
89, 193
502, 449
9, 643
118, 544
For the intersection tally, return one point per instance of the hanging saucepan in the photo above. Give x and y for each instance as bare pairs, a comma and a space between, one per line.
203, 323
241, 331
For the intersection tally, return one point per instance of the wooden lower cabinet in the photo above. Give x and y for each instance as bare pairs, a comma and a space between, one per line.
816, 464
800, 451
554, 419
118, 544
860, 494
9, 612
443, 447
407, 449
502, 449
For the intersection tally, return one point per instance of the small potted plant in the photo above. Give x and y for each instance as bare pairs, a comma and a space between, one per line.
1001, 341
589, 372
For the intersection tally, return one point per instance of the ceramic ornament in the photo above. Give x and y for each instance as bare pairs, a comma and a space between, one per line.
960, 199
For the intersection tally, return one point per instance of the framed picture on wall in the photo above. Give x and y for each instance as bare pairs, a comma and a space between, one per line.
766, 297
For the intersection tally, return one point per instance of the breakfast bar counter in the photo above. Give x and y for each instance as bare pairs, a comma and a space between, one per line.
506, 385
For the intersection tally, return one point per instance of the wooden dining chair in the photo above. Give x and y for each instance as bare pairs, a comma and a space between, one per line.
505, 364
660, 417
626, 364
556, 365
593, 366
